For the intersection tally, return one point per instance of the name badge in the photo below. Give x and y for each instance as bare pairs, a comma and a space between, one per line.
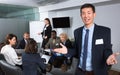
99, 41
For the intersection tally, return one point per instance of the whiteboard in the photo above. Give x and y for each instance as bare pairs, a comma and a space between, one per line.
35, 28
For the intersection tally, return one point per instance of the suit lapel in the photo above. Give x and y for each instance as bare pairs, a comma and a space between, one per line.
94, 37
80, 40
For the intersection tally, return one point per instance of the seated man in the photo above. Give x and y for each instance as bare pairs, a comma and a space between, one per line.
23, 42
54, 41
56, 59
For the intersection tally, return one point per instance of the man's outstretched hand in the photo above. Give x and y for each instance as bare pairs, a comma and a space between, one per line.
62, 50
112, 59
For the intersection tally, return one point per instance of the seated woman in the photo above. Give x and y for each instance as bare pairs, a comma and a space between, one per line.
9, 52
31, 59
65, 41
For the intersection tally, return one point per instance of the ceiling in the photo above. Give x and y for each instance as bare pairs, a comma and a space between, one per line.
9, 6
48, 2
31, 3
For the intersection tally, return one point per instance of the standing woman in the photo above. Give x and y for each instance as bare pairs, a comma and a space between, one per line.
46, 33
31, 60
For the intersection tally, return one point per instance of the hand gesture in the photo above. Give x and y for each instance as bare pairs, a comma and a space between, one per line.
39, 33
62, 50
45, 37
112, 59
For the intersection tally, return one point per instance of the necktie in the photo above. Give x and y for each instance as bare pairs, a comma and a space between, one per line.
85, 50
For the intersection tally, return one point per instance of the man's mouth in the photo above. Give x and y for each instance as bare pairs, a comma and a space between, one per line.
86, 20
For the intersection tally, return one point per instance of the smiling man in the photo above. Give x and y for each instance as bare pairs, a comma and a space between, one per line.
92, 45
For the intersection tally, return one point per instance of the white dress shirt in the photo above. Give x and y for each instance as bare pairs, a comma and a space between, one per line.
89, 54
10, 55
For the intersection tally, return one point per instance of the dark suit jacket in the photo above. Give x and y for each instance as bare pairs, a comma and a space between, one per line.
31, 62
52, 45
21, 44
68, 44
100, 52
47, 31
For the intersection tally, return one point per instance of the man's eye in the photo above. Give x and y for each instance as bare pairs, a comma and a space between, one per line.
89, 13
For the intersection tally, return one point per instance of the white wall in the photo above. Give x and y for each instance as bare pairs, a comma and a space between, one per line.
109, 16
75, 20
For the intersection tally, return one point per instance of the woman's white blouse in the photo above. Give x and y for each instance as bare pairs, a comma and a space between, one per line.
10, 55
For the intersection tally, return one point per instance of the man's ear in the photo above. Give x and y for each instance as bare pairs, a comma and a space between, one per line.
94, 15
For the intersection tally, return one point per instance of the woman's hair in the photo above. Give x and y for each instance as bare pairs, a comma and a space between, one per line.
31, 46
9, 37
48, 20
64, 35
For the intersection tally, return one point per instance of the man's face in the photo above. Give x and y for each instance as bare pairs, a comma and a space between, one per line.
87, 16
53, 35
26, 36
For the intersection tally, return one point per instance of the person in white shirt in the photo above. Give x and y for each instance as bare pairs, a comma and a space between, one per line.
9, 52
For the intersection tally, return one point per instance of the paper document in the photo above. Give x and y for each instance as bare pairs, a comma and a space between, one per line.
47, 57
47, 50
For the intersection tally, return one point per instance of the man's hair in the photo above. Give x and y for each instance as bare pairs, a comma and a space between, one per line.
87, 5
26, 33
53, 31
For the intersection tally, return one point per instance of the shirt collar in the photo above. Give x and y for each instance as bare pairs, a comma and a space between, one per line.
9, 45
64, 42
91, 28
47, 25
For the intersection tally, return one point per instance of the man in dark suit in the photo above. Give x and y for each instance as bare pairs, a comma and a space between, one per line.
23, 42
92, 45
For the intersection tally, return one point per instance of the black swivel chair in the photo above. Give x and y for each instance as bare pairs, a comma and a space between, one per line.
2, 57
8, 69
